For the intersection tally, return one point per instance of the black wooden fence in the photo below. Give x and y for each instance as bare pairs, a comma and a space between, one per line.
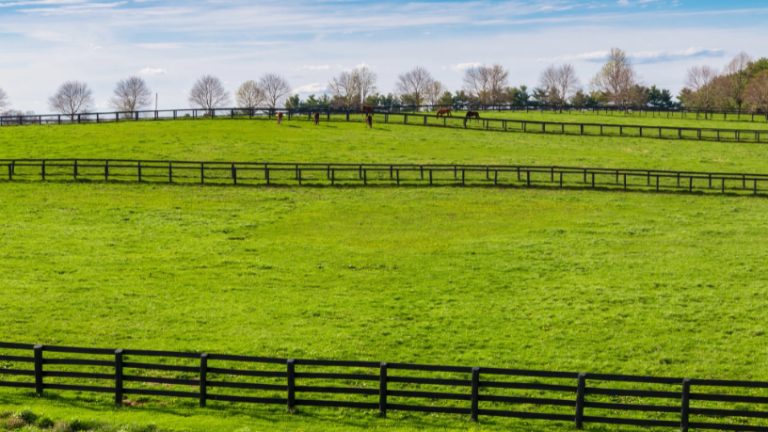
582, 129
577, 398
370, 174
664, 113
421, 119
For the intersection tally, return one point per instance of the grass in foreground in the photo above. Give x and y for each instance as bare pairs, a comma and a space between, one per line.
605, 282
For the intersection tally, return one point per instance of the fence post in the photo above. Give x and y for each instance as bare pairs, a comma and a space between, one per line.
203, 379
685, 405
106, 170
74, 170
118, 377
291, 369
383, 390
266, 173
475, 393
38, 350
10, 171
234, 173
202, 172
139, 168
581, 390
170, 172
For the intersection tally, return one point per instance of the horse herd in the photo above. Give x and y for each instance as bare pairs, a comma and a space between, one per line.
368, 112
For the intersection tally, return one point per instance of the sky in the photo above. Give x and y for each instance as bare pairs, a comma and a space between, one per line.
172, 43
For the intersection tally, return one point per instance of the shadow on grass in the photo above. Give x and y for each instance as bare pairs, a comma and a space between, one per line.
410, 184
319, 418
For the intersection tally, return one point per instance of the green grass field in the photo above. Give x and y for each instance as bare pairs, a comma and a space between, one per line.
262, 140
691, 121
565, 280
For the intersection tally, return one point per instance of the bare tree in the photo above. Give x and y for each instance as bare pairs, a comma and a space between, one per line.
275, 89
560, 83
345, 89
208, 93
699, 82
738, 78
131, 94
756, 93
353, 87
3, 99
72, 97
486, 83
249, 95
366, 81
434, 92
617, 78
414, 84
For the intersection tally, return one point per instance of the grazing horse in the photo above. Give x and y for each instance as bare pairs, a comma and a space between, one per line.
369, 120
316, 118
471, 115
444, 112
279, 118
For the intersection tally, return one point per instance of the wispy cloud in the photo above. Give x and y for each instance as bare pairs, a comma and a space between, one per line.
461, 67
641, 57
311, 88
153, 71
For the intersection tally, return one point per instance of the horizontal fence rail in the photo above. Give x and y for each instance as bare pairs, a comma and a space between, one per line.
475, 392
651, 112
415, 119
370, 174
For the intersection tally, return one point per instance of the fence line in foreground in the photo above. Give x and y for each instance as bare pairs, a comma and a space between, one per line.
420, 119
366, 174
578, 398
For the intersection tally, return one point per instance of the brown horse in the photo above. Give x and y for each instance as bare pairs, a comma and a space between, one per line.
316, 118
369, 120
442, 112
279, 118
471, 115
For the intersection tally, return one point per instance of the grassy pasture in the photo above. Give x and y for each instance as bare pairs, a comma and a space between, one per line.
690, 120
545, 279
635, 283
262, 140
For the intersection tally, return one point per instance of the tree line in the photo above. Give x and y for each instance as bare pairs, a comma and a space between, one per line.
743, 86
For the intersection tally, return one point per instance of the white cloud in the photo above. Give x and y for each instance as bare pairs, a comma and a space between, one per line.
639, 57
152, 71
320, 67
461, 67
310, 88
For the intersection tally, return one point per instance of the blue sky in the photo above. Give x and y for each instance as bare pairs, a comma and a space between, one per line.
171, 43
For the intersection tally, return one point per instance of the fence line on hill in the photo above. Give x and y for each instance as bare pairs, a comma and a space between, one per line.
421, 119
368, 174
669, 113
682, 113
577, 398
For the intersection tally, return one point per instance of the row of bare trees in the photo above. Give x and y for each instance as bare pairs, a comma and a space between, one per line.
133, 94
742, 85
209, 92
